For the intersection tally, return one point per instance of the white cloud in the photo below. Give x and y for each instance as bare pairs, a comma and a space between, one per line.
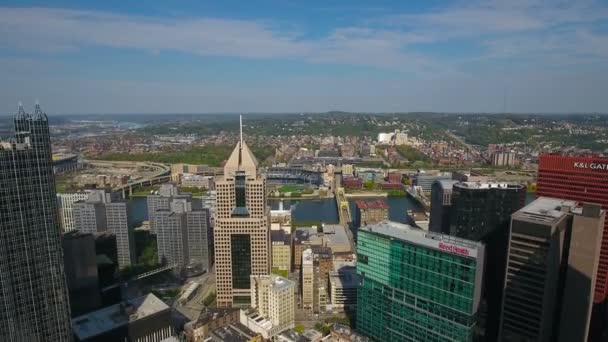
495, 23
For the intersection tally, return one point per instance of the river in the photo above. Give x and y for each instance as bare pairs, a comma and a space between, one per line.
323, 210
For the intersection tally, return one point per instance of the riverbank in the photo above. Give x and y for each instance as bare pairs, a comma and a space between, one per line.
365, 194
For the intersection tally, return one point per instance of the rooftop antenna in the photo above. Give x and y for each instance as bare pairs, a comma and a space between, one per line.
241, 129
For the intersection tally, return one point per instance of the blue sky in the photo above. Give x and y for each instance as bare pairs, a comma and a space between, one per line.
293, 56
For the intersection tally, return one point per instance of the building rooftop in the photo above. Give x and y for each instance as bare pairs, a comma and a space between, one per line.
479, 185
307, 257
446, 184
255, 317
235, 332
346, 277
312, 334
292, 335
280, 237
304, 234
335, 234
545, 210
405, 232
109, 318
241, 159
211, 314
375, 204
280, 283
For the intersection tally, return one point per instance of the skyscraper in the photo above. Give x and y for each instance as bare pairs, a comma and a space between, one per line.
181, 236
66, 201
582, 179
103, 211
242, 231
554, 251
81, 272
416, 285
162, 201
482, 212
33, 297
480, 209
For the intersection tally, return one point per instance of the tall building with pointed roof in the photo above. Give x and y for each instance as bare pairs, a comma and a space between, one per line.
34, 302
241, 232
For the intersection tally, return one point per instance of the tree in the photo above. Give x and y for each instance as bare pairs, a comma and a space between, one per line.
369, 185
149, 256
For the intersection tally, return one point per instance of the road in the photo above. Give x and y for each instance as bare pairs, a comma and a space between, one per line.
193, 307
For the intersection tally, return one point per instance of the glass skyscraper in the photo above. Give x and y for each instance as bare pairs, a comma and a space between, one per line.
416, 285
33, 297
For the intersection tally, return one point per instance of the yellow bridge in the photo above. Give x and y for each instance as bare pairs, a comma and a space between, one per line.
343, 207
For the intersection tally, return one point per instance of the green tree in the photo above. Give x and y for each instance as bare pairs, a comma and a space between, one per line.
209, 299
369, 185
149, 256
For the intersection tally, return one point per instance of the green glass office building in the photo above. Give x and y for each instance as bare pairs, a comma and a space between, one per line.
417, 285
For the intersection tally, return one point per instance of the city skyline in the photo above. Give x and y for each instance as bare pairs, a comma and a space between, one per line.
442, 56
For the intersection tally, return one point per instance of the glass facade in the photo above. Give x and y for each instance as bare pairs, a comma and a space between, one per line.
241, 261
34, 304
240, 192
478, 212
411, 292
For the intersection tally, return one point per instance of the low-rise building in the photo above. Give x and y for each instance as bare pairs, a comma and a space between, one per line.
272, 305
342, 333
145, 318
343, 288
209, 320
197, 181
303, 238
335, 237
235, 332
369, 212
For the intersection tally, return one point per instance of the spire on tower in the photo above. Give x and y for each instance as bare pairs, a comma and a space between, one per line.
38, 114
21, 112
241, 130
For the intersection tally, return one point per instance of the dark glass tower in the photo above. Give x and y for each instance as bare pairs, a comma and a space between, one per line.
33, 298
482, 212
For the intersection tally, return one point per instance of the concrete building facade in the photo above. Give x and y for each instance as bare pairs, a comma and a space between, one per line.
242, 229
308, 280
553, 256
274, 298
281, 250
370, 212
65, 202
181, 237
103, 211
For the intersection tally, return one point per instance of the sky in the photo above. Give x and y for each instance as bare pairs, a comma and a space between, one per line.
79, 57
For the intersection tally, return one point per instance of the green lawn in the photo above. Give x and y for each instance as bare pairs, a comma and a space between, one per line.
291, 188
